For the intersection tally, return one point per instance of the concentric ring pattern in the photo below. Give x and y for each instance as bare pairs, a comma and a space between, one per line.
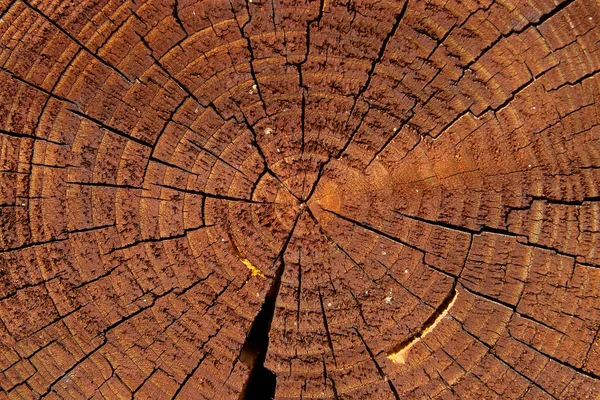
353, 199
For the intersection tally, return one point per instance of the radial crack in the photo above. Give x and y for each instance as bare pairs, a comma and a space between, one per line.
81, 45
261, 382
326, 326
377, 366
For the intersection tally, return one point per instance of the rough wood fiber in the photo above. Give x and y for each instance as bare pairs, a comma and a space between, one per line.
353, 199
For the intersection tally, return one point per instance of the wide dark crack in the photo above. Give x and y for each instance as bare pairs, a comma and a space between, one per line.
66, 192
261, 381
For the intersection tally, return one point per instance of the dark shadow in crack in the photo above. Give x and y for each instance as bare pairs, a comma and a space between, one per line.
261, 382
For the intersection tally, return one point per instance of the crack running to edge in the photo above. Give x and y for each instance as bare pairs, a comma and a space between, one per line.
261, 381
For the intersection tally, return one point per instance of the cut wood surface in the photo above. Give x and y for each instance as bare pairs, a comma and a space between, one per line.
334, 199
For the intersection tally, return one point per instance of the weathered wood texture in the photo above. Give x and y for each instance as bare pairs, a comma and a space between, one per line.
409, 191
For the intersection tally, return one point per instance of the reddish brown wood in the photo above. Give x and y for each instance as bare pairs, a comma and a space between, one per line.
353, 199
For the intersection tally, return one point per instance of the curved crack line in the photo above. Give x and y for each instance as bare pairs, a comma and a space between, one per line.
399, 353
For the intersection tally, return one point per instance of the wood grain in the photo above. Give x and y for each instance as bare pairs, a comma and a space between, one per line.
334, 199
